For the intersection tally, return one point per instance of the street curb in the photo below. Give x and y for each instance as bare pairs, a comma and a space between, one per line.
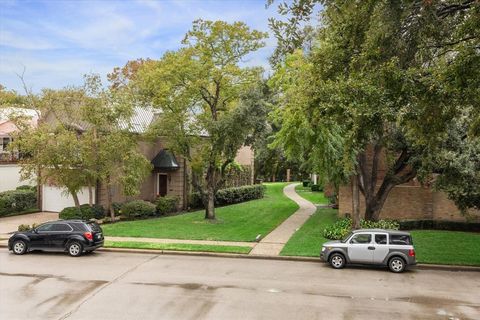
422, 266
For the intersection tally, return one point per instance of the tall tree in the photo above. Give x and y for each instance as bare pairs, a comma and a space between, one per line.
201, 90
390, 75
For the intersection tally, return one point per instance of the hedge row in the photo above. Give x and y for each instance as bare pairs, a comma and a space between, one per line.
13, 201
439, 225
342, 227
86, 212
231, 195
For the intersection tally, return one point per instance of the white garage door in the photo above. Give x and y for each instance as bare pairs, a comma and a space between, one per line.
54, 199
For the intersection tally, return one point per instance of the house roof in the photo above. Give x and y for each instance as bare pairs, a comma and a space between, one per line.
165, 160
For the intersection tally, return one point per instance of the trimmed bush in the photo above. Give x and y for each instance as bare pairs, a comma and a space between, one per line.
316, 187
85, 212
166, 204
26, 187
231, 195
17, 201
239, 194
439, 225
24, 227
306, 183
342, 227
138, 208
117, 208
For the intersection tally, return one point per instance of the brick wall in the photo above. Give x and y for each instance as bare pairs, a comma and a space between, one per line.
409, 201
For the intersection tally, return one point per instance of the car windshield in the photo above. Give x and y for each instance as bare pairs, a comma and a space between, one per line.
346, 238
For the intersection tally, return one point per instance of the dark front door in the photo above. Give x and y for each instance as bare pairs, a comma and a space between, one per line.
162, 185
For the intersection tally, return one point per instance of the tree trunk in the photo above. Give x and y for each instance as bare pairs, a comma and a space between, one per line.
355, 203
210, 208
90, 194
75, 199
109, 200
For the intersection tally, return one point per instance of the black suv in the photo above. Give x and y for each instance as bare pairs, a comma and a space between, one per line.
73, 236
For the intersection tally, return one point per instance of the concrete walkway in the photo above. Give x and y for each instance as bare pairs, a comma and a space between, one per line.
205, 242
10, 224
274, 242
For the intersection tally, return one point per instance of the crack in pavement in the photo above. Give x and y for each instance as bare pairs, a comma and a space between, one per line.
94, 293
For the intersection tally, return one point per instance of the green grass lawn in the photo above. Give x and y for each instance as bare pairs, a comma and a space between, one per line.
447, 247
177, 246
308, 239
239, 222
315, 197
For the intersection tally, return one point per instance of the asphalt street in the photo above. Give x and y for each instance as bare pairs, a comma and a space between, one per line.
106, 285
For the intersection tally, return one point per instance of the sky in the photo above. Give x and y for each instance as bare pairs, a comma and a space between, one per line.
56, 42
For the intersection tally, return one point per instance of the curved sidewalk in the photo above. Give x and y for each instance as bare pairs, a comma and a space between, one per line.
274, 242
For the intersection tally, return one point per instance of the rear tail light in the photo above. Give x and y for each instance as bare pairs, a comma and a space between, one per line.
411, 253
88, 235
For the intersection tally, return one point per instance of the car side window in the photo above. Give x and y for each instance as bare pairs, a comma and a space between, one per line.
400, 239
45, 227
361, 238
59, 227
381, 239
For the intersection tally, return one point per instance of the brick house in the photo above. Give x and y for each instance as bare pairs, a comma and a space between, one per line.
410, 200
170, 175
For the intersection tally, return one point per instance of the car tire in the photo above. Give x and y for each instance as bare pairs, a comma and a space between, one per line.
75, 248
396, 264
337, 260
19, 247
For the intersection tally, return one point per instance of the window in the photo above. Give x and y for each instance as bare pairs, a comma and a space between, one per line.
381, 239
400, 239
361, 238
45, 227
59, 227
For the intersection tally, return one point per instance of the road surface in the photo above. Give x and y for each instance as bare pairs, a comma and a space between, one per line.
106, 285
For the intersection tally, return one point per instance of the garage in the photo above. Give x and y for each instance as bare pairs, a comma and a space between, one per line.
54, 199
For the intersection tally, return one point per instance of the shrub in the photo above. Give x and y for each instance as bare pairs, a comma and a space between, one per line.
85, 212
440, 225
17, 201
231, 195
316, 187
117, 208
306, 183
95, 211
24, 227
138, 208
342, 227
166, 204
239, 194
26, 187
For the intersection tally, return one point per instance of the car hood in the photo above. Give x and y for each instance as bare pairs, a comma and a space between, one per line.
332, 243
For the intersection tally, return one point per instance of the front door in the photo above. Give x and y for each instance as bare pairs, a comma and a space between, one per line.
360, 248
40, 239
162, 185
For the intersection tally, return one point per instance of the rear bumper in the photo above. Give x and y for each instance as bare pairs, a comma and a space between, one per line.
93, 245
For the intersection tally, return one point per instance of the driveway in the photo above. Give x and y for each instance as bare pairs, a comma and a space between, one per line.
107, 285
10, 224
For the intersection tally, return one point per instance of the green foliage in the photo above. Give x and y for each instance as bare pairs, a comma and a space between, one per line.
85, 212
27, 187
342, 227
202, 90
166, 204
229, 196
24, 227
316, 187
138, 209
17, 201
306, 183
439, 225
117, 208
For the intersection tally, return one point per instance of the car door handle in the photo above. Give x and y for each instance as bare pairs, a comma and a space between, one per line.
371, 248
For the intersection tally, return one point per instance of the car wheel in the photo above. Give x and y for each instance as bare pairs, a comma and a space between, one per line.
19, 247
337, 261
396, 264
75, 248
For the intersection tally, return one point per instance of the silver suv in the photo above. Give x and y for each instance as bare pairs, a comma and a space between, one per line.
371, 246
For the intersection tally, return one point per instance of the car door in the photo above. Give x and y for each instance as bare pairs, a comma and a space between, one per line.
380, 242
360, 248
40, 238
60, 233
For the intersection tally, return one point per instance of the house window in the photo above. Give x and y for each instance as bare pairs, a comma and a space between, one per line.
162, 184
4, 143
